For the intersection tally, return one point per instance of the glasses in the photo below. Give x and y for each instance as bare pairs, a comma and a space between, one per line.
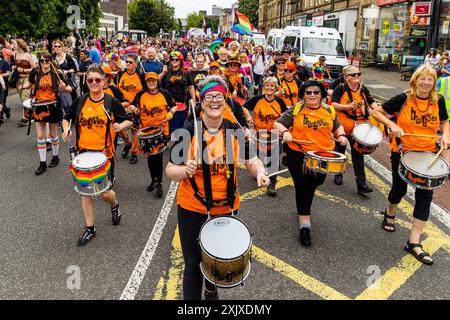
233, 65
130, 62
280, 62
44, 60
356, 74
288, 70
57, 47
92, 80
210, 98
175, 59
315, 92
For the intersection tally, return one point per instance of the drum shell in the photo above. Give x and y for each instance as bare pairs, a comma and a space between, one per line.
318, 164
420, 180
225, 273
152, 144
93, 188
365, 147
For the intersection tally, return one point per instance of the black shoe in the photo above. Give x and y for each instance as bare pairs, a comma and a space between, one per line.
305, 238
126, 150
7, 112
364, 188
151, 186
159, 190
49, 146
115, 213
41, 169
54, 162
211, 295
133, 159
86, 237
338, 179
22, 123
271, 191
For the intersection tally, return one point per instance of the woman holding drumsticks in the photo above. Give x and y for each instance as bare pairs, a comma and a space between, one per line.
308, 120
421, 112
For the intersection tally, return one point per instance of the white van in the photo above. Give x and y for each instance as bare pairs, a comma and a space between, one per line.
313, 42
274, 37
259, 39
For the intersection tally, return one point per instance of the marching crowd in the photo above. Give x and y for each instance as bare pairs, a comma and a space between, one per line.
137, 94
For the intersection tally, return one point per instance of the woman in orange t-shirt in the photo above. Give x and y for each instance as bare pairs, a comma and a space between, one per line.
309, 120
47, 109
420, 110
91, 117
154, 107
194, 206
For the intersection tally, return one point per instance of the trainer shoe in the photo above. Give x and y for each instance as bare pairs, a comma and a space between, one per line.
305, 237
115, 213
211, 295
54, 162
86, 237
22, 123
133, 159
159, 189
151, 186
41, 169
126, 150
364, 188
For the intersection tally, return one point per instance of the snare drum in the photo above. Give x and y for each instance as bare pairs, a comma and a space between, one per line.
266, 140
367, 138
331, 162
90, 172
180, 106
413, 169
225, 244
151, 140
46, 111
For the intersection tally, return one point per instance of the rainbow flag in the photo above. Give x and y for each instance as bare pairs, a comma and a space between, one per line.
87, 178
242, 24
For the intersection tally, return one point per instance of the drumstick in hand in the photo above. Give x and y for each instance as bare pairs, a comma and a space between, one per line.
304, 141
436, 157
419, 135
195, 133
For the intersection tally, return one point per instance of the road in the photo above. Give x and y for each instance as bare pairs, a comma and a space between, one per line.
141, 258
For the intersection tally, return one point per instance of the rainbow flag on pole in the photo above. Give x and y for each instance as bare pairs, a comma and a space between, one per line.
242, 24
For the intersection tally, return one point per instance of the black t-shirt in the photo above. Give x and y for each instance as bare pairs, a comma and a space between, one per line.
176, 83
341, 89
191, 76
396, 103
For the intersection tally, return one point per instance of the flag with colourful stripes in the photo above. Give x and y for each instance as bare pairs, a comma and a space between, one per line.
242, 24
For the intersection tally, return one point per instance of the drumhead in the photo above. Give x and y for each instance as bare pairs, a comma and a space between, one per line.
367, 134
88, 160
27, 104
328, 155
418, 162
225, 237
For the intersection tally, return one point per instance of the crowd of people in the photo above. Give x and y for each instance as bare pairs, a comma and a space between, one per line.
113, 93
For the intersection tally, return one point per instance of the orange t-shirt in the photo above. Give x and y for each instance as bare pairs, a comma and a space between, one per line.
290, 96
315, 125
153, 110
216, 157
265, 112
420, 117
92, 128
130, 85
45, 91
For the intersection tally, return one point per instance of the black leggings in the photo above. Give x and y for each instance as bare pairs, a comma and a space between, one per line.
357, 160
399, 187
189, 225
305, 181
155, 165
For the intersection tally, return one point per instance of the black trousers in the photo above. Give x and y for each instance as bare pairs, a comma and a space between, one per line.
189, 225
357, 159
155, 165
305, 181
399, 188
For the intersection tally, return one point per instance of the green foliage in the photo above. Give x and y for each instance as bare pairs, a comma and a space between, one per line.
251, 9
151, 16
195, 20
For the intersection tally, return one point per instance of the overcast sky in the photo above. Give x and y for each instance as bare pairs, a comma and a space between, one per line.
184, 7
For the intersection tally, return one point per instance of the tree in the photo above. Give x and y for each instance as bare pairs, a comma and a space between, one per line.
251, 9
195, 20
151, 16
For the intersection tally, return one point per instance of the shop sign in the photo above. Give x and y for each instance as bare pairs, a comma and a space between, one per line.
385, 26
420, 21
422, 8
397, 26
331, 16
418, 33
388, 2
317, 21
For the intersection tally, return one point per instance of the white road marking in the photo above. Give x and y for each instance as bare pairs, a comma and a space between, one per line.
144, 261
439, 213
378, 86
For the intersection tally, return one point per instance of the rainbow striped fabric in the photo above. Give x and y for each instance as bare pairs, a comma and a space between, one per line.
86, 178
242, 24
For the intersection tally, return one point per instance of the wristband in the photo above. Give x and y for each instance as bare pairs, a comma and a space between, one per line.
282, 133
342, 135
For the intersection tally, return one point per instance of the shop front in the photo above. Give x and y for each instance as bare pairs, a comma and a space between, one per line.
443, 42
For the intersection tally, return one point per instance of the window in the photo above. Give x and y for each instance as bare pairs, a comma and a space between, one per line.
367, 27
321, 46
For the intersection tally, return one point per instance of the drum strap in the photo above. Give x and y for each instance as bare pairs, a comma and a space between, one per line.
350, 98
289, 89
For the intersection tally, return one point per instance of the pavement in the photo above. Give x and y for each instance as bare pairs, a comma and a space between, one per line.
351, 256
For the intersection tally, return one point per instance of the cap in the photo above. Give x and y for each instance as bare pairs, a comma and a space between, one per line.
214, 64
151, 75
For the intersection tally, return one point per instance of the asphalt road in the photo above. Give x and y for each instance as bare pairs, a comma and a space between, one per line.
140, 258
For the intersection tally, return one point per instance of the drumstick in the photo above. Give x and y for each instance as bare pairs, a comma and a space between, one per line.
56, 71
278, 172
195, 133
363, 106
304, 141
419, 135
436, 157
249, 137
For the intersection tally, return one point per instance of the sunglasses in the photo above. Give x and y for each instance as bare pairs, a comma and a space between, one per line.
92, 80
175, 59
280, 62
130, 62
356, 74
57, 47
315, 92
288, 70
44, 60
233, 65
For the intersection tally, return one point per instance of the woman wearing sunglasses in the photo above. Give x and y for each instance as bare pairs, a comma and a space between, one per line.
97, 118
290, 85
353, 103
66, 65
47, 85
308, 120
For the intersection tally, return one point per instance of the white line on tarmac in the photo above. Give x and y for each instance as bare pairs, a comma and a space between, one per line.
439, 213
143, 263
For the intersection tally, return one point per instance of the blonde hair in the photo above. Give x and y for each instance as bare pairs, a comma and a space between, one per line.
22, 44
423, 70
60, 42
346, 69
272, 80
244, 55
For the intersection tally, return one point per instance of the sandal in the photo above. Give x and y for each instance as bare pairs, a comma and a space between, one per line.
387, 226
419, 256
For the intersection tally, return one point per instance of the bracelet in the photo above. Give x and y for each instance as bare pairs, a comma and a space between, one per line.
282, 133
342, 135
